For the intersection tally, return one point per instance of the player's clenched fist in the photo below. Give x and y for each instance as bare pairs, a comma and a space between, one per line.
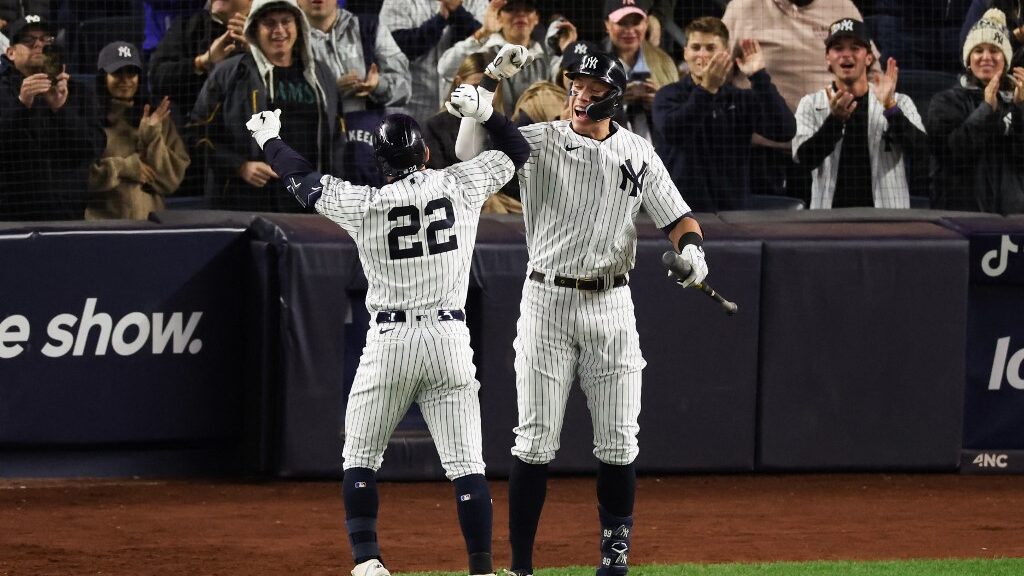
510, 60
468, 101
264, 126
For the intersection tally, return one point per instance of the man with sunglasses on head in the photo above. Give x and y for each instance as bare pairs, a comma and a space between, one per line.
50, 131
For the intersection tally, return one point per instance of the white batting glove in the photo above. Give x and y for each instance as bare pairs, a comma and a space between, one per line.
468, 101
510, 60
693, 255
265, 126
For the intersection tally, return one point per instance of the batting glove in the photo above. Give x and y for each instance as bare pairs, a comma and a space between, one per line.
693, 256
510, 60
265, 126
468, 101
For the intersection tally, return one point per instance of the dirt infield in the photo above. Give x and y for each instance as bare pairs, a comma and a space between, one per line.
143, 527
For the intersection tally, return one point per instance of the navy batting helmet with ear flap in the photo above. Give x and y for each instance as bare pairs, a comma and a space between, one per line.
398, 145
607, 69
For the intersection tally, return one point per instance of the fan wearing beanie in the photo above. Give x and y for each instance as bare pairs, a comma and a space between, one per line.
991, 30
977, 129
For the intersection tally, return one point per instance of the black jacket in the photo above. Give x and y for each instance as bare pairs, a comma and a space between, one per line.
234, 92
46, 154
439, 133
171, 67
979, 152
698, 134
11, 10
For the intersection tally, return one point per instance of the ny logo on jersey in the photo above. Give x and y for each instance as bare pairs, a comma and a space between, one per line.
631, 175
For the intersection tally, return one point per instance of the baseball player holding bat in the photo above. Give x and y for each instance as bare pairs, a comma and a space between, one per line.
582, 188
415, 237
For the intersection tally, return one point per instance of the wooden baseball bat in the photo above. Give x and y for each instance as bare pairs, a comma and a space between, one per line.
675, 263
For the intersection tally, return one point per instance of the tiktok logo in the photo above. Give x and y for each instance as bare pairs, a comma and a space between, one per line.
1001, 257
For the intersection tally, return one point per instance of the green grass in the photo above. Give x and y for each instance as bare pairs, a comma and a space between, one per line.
1000, 567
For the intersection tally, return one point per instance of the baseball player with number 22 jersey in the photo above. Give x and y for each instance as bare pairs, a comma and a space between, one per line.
415, 237
582, 188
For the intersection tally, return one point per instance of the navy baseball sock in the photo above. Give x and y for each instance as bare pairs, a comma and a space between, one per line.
473, 501
527, 489
359, 489
616, 490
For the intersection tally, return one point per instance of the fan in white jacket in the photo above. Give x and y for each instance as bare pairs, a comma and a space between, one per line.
855, 135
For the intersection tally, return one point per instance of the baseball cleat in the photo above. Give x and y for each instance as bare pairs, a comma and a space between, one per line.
370, 568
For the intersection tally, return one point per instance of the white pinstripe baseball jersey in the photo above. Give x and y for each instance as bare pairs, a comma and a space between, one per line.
581, 197
416, 235
415, 238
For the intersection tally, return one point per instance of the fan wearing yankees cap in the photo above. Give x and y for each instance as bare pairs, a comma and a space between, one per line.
582, 188
145, 158
855, 134
49, 126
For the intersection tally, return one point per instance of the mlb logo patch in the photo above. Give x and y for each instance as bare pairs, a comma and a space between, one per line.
360, 484
465, 498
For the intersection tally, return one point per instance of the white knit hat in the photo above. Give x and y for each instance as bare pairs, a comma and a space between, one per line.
991, 29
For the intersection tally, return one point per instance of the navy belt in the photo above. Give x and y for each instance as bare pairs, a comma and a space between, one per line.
582, 283
391, 316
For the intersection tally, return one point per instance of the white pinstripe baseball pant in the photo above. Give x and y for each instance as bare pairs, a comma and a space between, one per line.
426, 361
564, 333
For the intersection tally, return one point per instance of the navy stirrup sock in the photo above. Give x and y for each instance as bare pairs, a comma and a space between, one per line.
359, 488
616, 492
527, 490
473, 501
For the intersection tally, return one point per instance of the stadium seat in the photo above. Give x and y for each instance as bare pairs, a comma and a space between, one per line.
921, 85
921, 202
90, 36
768, 202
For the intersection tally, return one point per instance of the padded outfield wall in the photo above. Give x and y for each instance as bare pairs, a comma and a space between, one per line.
223, 343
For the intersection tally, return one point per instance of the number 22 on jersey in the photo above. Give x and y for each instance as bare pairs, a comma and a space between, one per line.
415, 249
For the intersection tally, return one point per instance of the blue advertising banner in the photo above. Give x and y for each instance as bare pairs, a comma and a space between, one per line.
121, 336
994, 393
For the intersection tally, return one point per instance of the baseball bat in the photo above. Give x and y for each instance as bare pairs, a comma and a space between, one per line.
675, 263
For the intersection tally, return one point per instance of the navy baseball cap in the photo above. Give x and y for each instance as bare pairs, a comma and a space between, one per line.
14, 29
117, 55
848, 28
575, 51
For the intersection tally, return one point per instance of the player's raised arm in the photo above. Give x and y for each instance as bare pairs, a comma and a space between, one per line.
473, 103
297, 173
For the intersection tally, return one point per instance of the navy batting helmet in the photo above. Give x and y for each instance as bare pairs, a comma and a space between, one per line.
398, 145
607, 69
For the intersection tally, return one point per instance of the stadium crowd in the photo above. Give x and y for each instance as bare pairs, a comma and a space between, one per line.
107, 107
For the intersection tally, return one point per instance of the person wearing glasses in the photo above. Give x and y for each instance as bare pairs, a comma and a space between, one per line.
276, 70
50, 130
